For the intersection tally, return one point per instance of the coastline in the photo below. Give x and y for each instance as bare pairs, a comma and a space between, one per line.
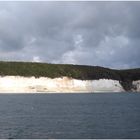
20, 84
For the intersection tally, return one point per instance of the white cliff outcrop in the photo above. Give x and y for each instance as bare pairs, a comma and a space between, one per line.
136, 85
19, 84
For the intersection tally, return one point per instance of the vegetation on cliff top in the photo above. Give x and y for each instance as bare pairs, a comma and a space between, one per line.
74, 71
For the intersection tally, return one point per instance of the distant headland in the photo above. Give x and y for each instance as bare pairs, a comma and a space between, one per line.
30, 77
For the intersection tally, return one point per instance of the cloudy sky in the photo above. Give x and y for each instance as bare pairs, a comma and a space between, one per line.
90, 33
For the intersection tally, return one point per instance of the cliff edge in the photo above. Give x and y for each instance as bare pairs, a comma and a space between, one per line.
43, 77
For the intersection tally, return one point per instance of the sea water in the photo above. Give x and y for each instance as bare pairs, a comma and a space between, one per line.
53, 116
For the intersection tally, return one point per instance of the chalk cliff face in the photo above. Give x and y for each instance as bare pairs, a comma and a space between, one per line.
44, 77
136, 86
18, 84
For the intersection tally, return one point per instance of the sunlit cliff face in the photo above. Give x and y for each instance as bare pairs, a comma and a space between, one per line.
18, 84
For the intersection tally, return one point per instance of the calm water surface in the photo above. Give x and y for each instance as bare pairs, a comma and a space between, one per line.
70, 115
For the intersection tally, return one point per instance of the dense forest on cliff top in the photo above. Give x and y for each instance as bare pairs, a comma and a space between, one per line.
74, 71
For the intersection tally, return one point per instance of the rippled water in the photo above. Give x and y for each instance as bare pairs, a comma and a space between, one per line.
70, 115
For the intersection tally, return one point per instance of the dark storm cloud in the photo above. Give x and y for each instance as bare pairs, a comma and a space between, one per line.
91, 33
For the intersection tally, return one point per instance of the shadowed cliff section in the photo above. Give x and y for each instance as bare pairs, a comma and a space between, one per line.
125, 77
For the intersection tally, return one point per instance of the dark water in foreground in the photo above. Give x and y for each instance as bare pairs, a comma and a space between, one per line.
70, 116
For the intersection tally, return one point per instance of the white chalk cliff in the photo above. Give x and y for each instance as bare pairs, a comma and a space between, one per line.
18, 84
136, 85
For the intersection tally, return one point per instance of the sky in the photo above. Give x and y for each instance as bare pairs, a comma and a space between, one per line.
86, 33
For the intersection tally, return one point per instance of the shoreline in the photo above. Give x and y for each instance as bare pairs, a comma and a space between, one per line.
49, 93
45, 85
20, 84
80, 92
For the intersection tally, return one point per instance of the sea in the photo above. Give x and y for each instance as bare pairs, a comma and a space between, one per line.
70, 116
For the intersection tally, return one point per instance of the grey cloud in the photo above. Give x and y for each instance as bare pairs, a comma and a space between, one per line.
90, 33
